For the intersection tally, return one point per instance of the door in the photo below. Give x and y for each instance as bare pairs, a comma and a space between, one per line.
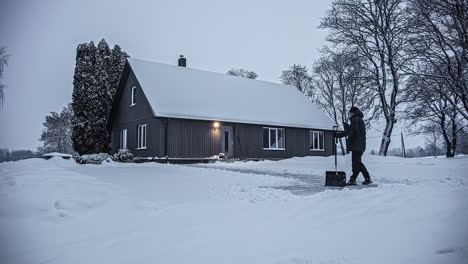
227, 141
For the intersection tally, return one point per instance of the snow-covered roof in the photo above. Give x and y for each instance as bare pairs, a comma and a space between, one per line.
181, 92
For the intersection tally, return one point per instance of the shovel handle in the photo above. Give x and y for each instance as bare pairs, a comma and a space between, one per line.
335, 130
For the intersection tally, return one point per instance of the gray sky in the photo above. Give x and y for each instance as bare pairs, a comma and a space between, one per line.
263, 35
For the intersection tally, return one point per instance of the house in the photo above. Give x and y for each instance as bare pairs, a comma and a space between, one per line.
177, 112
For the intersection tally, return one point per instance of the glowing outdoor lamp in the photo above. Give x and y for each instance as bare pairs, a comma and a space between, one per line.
216, 124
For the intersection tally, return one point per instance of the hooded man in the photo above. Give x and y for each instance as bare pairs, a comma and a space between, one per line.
356, 133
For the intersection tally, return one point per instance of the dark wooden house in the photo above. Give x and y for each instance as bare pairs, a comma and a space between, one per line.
177, 112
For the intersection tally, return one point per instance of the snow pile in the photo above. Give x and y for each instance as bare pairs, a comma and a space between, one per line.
48, 191
56, 154
57, 211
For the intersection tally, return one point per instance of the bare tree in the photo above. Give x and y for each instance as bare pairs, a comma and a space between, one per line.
341, 82
439, 40
3, 63
377, 30
432, 139
243, 73
299, 77
434, 112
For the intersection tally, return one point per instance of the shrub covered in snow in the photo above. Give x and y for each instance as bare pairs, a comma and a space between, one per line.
93, 158
123, 155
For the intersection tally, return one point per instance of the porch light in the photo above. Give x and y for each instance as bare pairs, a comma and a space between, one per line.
216, 124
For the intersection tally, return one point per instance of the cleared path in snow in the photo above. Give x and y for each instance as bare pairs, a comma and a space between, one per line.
308, 184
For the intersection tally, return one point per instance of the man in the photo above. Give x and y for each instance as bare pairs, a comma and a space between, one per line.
356, 133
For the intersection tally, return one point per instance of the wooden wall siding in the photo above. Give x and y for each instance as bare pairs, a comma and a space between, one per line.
130, 117
192, 139
152, 137
141, 109
199, 139
249, 143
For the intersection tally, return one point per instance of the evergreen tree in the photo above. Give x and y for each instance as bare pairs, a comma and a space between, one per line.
101, 99
83, 83
97, 74
117, 63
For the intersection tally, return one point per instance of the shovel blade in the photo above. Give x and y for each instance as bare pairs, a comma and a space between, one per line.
335, 178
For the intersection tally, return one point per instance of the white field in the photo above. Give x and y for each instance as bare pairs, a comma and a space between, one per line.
55, 211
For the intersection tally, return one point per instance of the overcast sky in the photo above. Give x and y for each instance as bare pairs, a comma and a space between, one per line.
262, 35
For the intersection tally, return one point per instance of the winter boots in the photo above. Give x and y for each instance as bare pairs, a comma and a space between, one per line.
367, 181
351, 182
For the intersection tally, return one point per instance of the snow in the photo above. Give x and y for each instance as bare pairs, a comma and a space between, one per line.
56, 211
182, 92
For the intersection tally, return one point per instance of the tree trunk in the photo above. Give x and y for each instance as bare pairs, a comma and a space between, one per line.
453, 119
449, 153
448, 143
386, 137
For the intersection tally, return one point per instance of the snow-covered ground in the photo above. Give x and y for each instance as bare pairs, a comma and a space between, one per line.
55, 211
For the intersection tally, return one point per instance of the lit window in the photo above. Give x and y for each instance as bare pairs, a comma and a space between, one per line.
133, 99
141, 137
316, 140
273, 138
123, 138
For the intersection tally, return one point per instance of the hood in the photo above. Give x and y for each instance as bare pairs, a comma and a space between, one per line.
357, 112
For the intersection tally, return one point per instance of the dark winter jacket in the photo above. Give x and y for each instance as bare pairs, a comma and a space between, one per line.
356, 132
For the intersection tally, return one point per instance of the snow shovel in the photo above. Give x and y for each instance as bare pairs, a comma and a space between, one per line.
335, 178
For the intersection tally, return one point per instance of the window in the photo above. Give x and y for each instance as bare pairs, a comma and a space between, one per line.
133, 100
273, 138
141, 137
123, 139
316, 140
